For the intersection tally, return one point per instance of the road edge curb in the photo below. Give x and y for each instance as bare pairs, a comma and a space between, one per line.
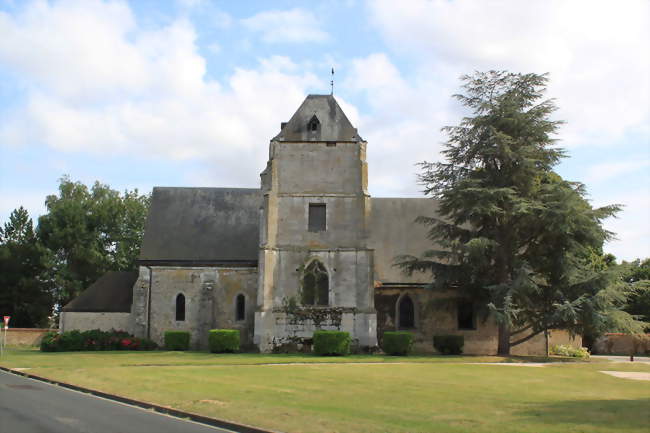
202, 419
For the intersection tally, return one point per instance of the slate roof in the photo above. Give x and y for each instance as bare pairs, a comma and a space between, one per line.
394, 232
111, 293
333, 125
202, 226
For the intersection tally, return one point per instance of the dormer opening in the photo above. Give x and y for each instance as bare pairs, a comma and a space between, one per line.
313, 124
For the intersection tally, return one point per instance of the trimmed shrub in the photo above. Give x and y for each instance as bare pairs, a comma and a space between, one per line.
177, 340
147, 344
566, 350
397, 342
71, 341
50, 342
331, 343
223, 340
449, 344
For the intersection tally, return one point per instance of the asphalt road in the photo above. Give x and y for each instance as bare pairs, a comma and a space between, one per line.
30, 406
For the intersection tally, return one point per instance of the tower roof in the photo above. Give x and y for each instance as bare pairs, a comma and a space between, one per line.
319, 118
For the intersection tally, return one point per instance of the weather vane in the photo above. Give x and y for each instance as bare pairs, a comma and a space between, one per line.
332, 83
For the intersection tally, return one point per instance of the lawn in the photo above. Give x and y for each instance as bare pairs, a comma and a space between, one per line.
302, 393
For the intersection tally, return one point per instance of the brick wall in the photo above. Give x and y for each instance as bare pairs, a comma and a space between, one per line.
24, 336
622, 344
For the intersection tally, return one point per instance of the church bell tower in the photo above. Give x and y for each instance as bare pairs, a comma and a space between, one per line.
315, 267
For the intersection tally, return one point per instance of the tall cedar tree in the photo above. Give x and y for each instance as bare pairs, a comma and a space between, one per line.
512, 236
89, 232
25, 289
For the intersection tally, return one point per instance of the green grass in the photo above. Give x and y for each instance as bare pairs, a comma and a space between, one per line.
317, 394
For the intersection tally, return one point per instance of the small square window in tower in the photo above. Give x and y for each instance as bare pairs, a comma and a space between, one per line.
317, 217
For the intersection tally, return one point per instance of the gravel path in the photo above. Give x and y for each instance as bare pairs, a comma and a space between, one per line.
636, 375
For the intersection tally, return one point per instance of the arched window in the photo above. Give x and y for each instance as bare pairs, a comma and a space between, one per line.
240, 307
406, 313
180, 307
315, 285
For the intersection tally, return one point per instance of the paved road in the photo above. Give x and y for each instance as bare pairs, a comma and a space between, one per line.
29, 406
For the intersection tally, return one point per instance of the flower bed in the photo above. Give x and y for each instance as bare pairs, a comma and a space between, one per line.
94, 340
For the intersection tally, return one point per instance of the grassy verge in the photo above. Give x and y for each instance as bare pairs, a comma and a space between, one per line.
24, 357
363, 393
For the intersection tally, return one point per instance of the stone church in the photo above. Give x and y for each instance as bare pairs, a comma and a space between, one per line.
310, 249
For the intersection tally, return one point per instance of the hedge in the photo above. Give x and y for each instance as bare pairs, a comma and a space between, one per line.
177, 340
331, 343
397, 342
449, 344
94, 339
223, 340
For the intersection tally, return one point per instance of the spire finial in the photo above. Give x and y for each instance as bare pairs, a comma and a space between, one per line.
332, 83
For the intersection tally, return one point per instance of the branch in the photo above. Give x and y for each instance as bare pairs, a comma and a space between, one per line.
523, 340
518, 331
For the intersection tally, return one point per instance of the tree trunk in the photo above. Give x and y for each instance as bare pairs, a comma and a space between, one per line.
546, 342
504, 340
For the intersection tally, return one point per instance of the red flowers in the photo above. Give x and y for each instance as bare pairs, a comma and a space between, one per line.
130, 343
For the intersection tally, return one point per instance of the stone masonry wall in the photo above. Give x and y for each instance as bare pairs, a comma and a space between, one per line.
350, 308
210, 296
24, 336
432, 318
83, 321
622, 344
333, 174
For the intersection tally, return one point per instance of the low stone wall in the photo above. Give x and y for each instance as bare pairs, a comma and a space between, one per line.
537, 344
25, 336
83, 321
622, 344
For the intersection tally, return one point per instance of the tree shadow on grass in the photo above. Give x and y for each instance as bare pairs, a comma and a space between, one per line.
609, 415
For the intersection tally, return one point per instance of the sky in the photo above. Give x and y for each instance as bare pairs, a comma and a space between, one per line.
189, 92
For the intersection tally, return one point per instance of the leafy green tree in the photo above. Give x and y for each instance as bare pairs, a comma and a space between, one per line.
637, 276
512, 235
90, 231
25, 290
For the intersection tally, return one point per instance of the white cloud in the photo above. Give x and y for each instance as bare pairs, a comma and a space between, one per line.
214, 48
596, 52
291, 26
403, 127
42, 41
605, 171
631, 226
32, 201
123, 90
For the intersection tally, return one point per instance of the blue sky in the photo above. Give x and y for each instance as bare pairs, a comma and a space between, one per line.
188, 93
